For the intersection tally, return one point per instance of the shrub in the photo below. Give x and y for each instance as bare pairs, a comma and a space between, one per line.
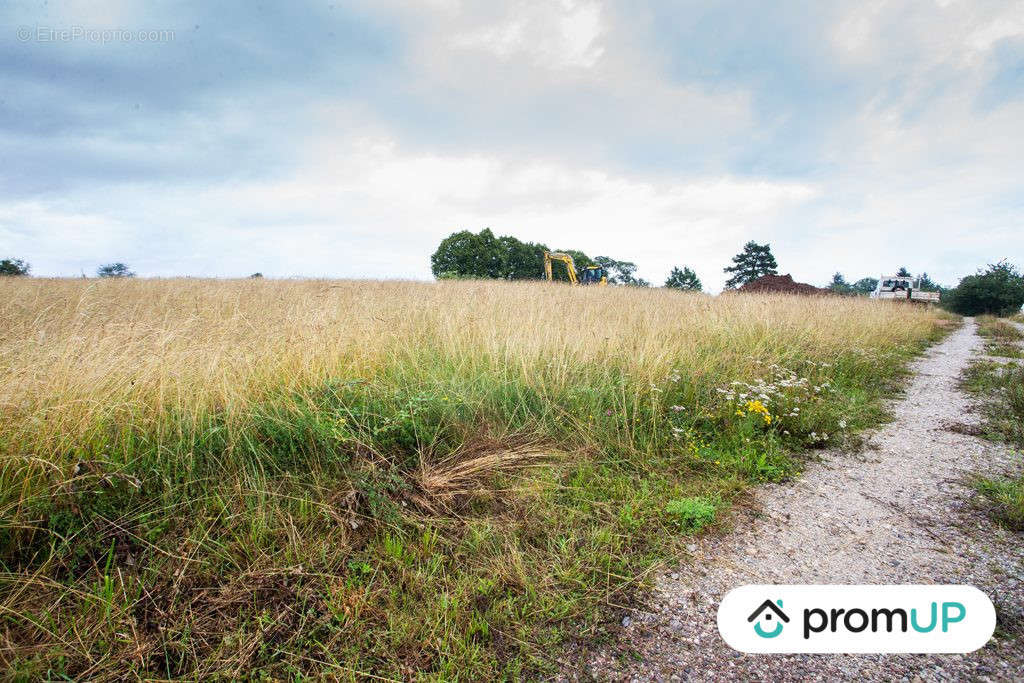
692, 514
999, 291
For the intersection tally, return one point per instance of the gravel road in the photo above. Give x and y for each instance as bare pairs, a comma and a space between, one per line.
899, 511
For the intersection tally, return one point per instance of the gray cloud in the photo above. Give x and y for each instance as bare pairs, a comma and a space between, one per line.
313, 138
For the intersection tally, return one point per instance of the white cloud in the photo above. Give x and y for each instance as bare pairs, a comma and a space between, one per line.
575, 123
554, 35
1007, 24
922, 35
364, 207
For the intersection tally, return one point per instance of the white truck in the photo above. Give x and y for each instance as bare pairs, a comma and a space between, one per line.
903, 287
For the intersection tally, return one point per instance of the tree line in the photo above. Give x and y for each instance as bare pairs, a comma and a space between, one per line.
15, 267
469, 255
464, 254
998, 289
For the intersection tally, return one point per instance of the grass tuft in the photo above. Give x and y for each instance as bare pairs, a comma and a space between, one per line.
1006, 496
1002, 338
692, 514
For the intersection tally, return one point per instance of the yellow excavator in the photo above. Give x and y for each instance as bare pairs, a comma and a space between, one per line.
589, 275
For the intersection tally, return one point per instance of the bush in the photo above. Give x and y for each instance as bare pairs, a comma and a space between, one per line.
692, 514
998, 291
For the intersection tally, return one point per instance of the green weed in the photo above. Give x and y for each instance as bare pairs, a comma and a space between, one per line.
691, 514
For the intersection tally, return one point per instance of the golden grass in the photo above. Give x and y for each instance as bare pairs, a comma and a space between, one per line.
76, 351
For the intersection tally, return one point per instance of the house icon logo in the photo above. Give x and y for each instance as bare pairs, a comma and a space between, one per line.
764, 615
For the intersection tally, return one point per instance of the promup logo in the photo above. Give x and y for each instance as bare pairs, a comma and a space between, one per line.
856, 619
767, 611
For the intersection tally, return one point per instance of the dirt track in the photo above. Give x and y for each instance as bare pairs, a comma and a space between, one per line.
900, 511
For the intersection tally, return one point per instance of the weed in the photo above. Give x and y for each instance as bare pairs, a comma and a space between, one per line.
1007, 498
1002, 386
691, 514
1002, 337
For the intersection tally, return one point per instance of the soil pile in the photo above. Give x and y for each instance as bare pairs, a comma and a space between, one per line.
782, 283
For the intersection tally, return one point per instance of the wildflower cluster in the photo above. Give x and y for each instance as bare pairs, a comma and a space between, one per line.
755, 407
781, 400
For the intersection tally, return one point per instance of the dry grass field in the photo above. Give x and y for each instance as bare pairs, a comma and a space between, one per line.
207, 478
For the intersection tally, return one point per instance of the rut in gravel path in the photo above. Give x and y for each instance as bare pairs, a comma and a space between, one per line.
899, 511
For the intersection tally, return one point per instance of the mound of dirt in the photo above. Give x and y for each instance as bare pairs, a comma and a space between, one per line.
784, 284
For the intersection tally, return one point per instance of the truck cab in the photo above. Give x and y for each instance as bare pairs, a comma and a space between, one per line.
902, 287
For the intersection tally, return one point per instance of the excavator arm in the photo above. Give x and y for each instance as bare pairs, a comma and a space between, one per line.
570, 267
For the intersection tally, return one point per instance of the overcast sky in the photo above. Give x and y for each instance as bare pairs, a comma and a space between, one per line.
347, 139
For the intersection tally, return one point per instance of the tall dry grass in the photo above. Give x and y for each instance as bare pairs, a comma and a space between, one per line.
185, 461
73, 352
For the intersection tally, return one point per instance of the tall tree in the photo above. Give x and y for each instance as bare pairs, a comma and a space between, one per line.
903, 272
621, 272
521, 260
865, 285
839, 285
753, 262
14, 267
683, 279
114, 270
468, 255
926, 284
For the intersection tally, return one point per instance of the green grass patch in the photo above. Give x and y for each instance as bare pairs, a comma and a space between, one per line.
1001, 385
1006, 495
692, 514
998, 329
1004, 350
328, 534
1002, 338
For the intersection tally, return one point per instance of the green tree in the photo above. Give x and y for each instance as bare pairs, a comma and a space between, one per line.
903, 272
865, 285
621, 272
683, 279
465, 255
521, 260
469, 255
114, 270
14, 267
926, 284
999, 291
753, 262
839, 285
